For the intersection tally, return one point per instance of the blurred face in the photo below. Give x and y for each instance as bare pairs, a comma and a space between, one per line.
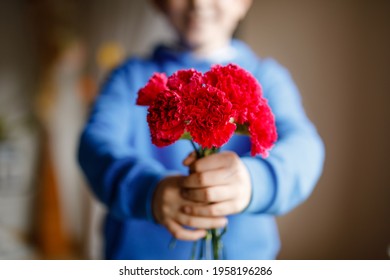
205, 24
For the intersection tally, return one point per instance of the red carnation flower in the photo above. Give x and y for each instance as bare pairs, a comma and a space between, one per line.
240, 86
262, 130
209, 113
156, 84
185, 81
204, 106
165, 118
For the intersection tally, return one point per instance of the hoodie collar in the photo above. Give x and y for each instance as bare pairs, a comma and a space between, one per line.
237, 52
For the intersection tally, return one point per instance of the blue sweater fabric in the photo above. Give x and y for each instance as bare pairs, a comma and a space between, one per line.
123, 167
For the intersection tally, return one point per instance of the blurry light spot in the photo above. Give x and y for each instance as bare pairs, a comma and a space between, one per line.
109, 55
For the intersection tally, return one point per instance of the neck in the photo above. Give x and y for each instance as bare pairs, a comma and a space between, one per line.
207, 50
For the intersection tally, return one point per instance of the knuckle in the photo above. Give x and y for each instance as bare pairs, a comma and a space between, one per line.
213, 210
189, 210
176, 233
196, 166
231, 157
218, 223
239, 177
236, 207
165, 209
208, 195
168, 195
222, 223
201, 178
191, 222
199, 211
184, 220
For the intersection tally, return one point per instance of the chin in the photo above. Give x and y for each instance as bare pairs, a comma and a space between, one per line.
197, 41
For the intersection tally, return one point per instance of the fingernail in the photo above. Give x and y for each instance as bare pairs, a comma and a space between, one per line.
187, 209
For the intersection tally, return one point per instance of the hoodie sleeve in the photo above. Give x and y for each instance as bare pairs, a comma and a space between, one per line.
118, 175
287, 177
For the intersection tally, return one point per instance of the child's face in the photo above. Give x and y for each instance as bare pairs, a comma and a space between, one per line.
205, 23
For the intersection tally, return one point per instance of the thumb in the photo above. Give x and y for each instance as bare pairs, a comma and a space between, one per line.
189, 159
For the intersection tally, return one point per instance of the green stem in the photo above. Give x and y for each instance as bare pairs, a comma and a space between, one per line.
193, 251
215, 241
172, 243
208, 245
195, 149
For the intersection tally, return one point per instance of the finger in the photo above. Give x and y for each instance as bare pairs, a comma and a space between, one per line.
212, 210
214, 161
210, 194
201, 222
208, 178
180, 232
189, 159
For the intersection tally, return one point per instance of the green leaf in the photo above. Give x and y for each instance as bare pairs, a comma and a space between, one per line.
186, 135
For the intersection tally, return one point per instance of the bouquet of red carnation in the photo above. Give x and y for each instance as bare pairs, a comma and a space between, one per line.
208, 109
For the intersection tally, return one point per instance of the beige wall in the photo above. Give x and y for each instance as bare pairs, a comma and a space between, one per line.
338, 54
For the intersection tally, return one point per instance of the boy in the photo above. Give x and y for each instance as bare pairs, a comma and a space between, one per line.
149, 197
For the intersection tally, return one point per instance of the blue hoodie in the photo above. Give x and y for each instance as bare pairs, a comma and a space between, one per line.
123, 167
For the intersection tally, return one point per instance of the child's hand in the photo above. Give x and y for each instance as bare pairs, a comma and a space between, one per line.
219, 183
167, 205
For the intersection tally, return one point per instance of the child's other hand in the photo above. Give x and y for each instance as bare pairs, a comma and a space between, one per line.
167, 204
220, 185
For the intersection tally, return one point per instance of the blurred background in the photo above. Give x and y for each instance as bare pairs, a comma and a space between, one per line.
54, 54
